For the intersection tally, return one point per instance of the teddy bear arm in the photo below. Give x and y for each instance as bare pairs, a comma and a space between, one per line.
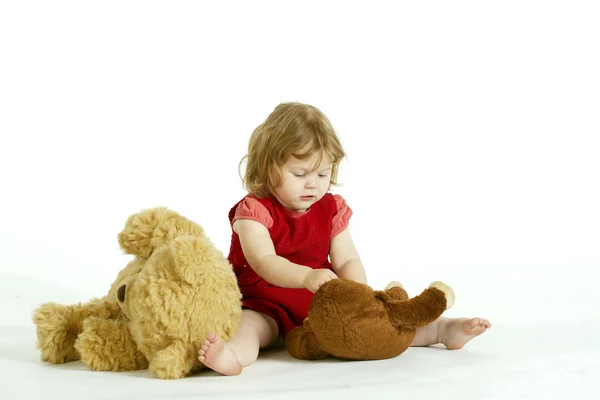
418, 311
173, 362
107, 345
103, 309
57, 327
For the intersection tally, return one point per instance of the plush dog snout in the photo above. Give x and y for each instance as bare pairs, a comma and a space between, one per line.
121, 293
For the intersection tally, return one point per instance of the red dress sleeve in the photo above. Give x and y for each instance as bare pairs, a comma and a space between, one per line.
341, 218
250, 208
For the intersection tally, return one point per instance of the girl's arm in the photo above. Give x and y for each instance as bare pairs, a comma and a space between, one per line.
259, 251
345, 259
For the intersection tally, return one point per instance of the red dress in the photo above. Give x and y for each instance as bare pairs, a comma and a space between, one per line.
301, 238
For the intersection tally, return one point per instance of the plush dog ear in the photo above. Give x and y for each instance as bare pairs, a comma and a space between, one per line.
152, 228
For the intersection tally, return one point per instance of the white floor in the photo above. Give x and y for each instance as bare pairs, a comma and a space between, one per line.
519, 360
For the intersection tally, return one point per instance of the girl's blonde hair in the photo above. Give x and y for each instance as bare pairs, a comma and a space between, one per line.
294, 129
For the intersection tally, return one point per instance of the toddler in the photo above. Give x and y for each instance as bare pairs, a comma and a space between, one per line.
290, 236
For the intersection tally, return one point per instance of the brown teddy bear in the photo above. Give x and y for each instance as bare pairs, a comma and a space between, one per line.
350, 321
157, 312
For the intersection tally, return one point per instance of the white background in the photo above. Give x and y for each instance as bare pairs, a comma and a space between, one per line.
472, 132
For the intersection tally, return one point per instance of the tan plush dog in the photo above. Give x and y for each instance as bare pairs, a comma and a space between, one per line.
350, 321
159, 309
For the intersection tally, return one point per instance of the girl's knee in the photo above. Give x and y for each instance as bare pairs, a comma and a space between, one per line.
265, 325
256, 318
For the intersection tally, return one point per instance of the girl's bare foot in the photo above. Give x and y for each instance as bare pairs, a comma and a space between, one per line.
216, 355
455, 333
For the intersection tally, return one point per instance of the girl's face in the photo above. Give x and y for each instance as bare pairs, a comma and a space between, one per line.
301, 187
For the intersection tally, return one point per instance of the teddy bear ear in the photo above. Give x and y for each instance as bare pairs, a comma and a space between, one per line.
152, 228
196, 259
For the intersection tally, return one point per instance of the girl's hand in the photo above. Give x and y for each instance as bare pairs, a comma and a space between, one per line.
317, 277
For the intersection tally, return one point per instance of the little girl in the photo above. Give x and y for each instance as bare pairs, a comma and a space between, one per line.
290, 236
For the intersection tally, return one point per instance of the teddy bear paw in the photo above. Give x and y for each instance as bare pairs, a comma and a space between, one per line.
166, 372
92, 347
169, 364
106, 345
56, 334
394, 284
447, 291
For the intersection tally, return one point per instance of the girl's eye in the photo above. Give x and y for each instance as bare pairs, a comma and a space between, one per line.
299, 175
322, 176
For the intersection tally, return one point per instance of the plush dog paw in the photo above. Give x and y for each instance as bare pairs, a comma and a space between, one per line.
56, 333
447, 291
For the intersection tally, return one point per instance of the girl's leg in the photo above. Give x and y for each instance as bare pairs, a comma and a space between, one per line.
256, 331
453, 333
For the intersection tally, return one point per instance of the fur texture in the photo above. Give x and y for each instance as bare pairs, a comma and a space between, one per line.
157, 312
58, 325
350, 321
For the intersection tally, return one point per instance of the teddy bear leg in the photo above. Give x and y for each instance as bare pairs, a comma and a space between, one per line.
172, 362
57, 327
302, 343
107, 345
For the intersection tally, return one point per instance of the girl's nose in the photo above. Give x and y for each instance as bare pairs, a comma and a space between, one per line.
311, 183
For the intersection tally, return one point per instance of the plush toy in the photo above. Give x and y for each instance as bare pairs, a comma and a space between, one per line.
350, 321
157, 312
